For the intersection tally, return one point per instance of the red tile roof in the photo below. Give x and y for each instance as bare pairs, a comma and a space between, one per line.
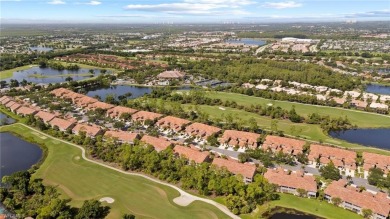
119, 110
45, 116
100, 105
144, 115
25, 111
242, 139
121, 135
201, 130
14, 106
5, 99
244, 169
376, 160
10, 103
286, 145
61, 123
378, 203
171, 74
294, 180
159, 144
90, 130
173, 123
340, 157
191, 153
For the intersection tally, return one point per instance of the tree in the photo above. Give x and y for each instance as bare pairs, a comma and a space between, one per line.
330, 172
336, 201
367, 213
375, 177
301, 192
92, 209
243, 157
128, 216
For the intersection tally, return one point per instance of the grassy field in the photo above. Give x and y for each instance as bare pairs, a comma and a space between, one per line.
8, 73
359, 118
80, 180
311, 206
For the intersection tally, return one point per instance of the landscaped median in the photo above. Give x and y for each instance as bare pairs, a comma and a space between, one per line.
80, 179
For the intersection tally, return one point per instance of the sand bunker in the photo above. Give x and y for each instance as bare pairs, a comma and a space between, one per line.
77, 158
107, 199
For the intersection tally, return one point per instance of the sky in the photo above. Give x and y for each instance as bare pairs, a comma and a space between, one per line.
192, 11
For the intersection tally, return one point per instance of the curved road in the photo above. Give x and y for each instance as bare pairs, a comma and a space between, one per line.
183, 200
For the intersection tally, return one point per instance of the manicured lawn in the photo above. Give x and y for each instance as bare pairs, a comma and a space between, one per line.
8, 73
359, 118
311, 206
79, 179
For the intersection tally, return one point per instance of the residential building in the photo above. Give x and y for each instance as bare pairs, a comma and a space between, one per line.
14, 106
172, 123
117, 111
202, 131
99, 105
62, 124
171, 75
159, 144
290, 182
356, 201
191, 153
246, 170
90, 131
286, 145
343, 159
122, 136
375, 160
143, 116
232, 138
45, 116
25, 111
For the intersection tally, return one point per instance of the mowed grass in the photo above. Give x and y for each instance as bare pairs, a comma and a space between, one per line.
79, 179
9, 73
311, 206
359, 118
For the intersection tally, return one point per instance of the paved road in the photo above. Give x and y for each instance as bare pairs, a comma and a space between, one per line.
357, 181
183, 200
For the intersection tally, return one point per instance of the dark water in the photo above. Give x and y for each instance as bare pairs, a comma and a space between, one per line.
379, 138
4, 119
29, 73
16, 154
118, 90
291, 216
41, 49
248, 41
378, 89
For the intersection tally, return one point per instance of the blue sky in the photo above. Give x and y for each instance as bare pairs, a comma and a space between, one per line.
192, 11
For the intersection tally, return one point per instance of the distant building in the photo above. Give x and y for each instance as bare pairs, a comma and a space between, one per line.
175, 74
244, 169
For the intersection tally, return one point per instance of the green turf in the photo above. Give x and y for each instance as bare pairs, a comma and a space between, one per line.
8, 73
311, 206
80, 180
359, 118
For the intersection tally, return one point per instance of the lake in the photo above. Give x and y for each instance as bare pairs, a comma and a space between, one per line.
40, 49
379, 138
378, 89
287, 213
291, 216
118, 90
48, 75
6, 119
16, 154
247, 41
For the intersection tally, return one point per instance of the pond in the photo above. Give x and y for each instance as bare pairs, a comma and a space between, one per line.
48, 75
379, 138
378, 89
118, 90
287, 213
247, 41
16, 154
6, 120
40, 49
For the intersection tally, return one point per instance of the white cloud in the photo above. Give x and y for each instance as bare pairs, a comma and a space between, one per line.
93, 3
195, 7
56, 2
282, 5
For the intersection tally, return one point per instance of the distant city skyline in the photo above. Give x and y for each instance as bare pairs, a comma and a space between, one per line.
191, 11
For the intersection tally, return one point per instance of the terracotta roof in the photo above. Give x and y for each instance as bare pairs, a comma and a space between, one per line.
10, 103
5, 99
244, 169
294, 180
201, 130
119, 110
45, 116
84, 101
90, 130
15, 106
340, 157
60, 92
159, 144
376, 160
173, 123
144, 115
191, 153
100, 105
287, 145
171, 74
378, 203
121, 135
240, 138
61, 123
25, 111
